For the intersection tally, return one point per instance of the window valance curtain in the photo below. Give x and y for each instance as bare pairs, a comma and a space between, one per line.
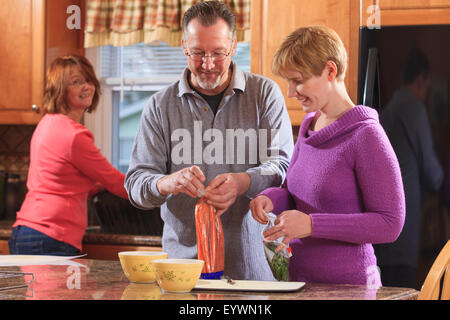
126, 22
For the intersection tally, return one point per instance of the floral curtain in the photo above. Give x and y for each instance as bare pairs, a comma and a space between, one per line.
126, 22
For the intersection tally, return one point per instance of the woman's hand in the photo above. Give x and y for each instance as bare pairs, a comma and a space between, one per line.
260, 206
290, 224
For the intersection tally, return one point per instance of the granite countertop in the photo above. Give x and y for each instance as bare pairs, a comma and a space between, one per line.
94, 236
85, 279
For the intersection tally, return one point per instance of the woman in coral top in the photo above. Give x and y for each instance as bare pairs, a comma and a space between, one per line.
65, 165
343, 189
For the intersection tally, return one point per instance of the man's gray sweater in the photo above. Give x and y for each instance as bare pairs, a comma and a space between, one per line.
178, 130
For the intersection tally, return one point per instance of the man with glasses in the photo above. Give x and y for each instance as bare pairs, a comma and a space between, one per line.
217, 132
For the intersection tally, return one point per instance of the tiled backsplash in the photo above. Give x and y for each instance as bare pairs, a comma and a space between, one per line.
15, 149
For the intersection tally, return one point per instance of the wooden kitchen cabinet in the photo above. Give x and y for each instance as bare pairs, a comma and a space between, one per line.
110, 251
413, 12
273, 20
4, 248
34, 32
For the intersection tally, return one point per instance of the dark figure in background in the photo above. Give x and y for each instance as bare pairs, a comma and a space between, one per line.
406, 123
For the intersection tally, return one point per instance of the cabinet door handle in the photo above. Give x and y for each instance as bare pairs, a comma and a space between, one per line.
35, 108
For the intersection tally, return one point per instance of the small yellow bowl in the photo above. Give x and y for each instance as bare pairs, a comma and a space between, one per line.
137, 265
177, 275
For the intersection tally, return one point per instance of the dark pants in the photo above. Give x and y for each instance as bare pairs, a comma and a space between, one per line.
398, 276
25, 240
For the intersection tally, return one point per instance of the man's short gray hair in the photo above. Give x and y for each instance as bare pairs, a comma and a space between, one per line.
207, 13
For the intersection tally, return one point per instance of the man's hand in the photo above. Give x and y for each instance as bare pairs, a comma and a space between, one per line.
188, 180
223, 190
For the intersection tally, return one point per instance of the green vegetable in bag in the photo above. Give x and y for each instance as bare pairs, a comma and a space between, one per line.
278, 260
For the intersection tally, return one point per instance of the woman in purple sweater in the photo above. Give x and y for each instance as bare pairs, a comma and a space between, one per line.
343, 190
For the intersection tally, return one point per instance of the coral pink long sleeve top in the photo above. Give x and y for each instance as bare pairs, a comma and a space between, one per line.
65, 165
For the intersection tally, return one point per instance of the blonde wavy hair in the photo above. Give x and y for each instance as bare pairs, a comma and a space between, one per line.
308, 49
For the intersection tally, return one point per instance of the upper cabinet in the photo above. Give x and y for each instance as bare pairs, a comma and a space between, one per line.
273, 20
33, 33
413, 12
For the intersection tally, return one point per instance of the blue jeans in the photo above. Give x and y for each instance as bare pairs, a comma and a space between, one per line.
25, 240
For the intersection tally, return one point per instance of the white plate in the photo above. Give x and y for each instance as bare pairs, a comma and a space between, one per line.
249, 285
29, 260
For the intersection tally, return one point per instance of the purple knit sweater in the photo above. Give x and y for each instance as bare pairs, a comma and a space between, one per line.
347, 178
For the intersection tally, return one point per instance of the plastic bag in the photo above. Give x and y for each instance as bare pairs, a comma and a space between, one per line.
210, 242
278, 259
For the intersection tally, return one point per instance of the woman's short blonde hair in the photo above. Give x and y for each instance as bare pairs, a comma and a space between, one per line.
308, 49
58, 79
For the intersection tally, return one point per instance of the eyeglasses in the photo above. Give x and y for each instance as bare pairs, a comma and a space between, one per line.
78, 82
215, 56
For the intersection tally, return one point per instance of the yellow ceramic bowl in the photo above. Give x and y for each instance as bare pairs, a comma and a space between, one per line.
137, 265
177, 275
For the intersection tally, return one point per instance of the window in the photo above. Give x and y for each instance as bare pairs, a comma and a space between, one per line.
147, 69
